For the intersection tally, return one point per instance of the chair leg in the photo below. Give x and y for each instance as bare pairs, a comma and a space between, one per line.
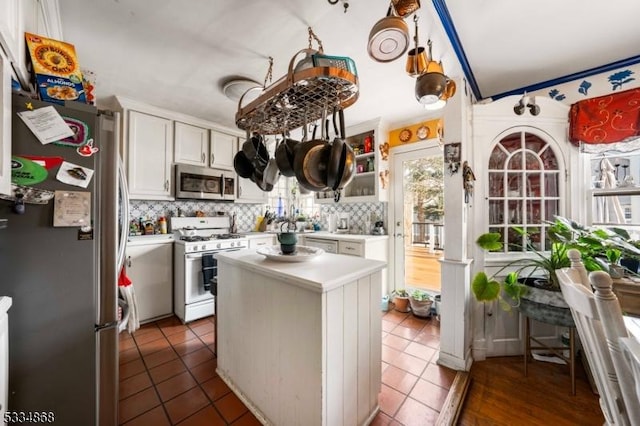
527, 344
572, 357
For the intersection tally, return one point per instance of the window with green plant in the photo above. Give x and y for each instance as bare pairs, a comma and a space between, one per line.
523, 191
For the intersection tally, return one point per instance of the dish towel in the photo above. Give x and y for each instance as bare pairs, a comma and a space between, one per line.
126, 291
208, 270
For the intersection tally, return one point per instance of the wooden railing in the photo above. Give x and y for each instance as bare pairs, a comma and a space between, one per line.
431, 234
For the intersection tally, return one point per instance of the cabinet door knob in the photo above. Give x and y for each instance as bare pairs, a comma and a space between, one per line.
203, 157
213, 158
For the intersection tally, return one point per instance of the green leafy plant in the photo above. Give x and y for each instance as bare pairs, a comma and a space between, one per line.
420, 295
400, 293
599, 248
488, 288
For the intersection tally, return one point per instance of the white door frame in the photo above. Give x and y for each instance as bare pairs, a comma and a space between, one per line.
400, 154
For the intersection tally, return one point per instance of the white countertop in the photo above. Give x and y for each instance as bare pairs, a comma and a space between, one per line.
325, 235
5, 304
322, 273
150, 239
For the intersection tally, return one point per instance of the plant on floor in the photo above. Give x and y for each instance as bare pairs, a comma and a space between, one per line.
421, 302
401, 300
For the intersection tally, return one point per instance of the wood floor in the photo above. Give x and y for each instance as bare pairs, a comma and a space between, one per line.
500, 394
422, 268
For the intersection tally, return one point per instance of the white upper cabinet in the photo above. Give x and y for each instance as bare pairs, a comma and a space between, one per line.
191, 144
5, 125
11, 28
223, 148
40, 17
150, 149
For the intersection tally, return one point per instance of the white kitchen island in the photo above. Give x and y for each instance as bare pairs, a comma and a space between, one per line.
300, 343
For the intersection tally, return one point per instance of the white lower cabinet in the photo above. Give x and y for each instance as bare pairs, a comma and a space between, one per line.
262, 240
150, 268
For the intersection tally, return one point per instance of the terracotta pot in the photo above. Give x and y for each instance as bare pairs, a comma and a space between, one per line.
401, 304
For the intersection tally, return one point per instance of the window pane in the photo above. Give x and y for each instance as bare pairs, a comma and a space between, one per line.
533, 142
515, 212
533, 184
496, 209
511, 142
515, 185
551, 209
551, 185
497, 159
533, 162
496, 185
549, 159
516, 162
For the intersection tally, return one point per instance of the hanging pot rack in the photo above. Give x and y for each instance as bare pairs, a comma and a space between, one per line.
301, 96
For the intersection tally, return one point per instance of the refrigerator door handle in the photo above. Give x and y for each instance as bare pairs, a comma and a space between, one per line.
124, 214
107, 189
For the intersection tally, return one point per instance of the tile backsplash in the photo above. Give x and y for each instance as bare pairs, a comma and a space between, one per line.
359, 213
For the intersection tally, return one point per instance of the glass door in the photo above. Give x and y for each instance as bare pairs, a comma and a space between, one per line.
418, 218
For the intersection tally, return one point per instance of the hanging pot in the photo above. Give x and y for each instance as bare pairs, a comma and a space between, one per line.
284, 156
256, 151
389, 38
242, 165
405, 8
430, 87
417, 57
310, 162
271, 172
341, 166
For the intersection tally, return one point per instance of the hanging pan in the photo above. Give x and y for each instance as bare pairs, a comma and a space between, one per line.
389, 38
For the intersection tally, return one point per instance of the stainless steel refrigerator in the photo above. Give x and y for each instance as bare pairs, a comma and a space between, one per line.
63, 334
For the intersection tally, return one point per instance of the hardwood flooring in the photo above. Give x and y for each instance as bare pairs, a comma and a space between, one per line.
500, 394
422, 268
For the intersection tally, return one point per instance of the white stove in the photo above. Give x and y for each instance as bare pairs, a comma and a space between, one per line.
197, 240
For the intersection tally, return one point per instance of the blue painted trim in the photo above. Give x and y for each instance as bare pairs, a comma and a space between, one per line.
450, 29
571, 77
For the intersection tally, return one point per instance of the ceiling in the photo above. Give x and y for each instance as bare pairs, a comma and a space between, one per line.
175, 56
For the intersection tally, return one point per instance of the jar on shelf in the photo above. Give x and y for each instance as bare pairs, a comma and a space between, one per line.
370, 167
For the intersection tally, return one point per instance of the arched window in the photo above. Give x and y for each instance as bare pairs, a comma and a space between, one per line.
524, 181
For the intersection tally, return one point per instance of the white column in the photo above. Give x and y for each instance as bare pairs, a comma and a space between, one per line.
455, 326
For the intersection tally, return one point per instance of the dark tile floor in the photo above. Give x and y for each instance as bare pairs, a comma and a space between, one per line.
167, 375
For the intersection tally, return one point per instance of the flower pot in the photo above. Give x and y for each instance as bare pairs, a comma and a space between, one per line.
402, 304
546, 306
421, 308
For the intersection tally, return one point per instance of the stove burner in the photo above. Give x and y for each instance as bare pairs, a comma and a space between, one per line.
194, 238
226, 236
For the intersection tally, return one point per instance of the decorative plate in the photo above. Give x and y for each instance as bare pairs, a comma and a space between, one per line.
422, 132
302, 254
405, 135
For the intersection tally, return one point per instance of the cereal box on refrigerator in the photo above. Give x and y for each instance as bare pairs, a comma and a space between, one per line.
56, 69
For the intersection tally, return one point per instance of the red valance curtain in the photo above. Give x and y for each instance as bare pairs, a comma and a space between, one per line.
606, 119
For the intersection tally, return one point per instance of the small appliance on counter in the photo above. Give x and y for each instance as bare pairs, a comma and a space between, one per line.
378, 228
343, 223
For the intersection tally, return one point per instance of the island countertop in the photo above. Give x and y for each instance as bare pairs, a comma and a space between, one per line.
322, 273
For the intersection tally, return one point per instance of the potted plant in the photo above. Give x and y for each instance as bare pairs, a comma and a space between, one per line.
531, 282
401, 300
421, 303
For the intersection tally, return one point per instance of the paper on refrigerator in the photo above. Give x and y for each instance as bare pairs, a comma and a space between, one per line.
46, 124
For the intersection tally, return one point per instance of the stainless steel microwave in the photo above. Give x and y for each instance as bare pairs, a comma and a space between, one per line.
204, 183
